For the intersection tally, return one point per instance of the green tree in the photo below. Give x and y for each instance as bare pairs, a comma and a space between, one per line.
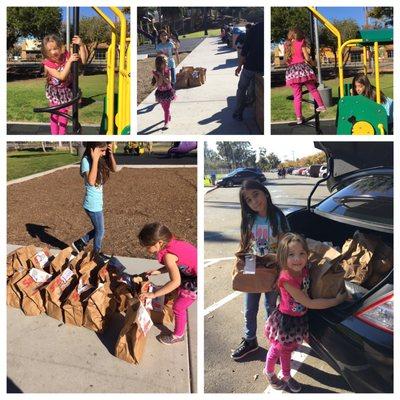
36, 22
285, 18
384, 14
237, 154
93, 31
266, 161
348, 29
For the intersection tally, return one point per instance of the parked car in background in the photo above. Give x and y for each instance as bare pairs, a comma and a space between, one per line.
323, 171
314, 170
237, 176
355, 337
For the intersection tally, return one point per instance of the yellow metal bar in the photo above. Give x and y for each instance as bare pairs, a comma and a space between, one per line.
381, 129
332, 28
377, 78
123, 79
350, 42
111, 53
365, 59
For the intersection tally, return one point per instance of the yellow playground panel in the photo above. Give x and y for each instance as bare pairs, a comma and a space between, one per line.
117, 107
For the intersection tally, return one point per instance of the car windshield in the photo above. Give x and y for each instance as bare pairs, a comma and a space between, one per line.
367, 202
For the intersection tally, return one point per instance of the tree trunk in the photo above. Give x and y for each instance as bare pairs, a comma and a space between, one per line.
44, 147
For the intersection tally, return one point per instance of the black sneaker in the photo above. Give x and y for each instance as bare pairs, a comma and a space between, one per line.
292, 385
101, 259
244, 348
78, 245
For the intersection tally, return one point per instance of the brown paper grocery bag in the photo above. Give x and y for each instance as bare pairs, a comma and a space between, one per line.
166, 316
31, 286
262, 281
57, 291
14, 295
18, 260
131, 341
326, 273
100, 304
62, 260
381, 264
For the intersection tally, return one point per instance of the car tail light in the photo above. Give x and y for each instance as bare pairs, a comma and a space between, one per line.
379, 314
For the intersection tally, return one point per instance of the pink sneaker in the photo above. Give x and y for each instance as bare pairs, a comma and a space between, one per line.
321, 109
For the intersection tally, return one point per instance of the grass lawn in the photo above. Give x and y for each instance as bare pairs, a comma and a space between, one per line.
24, 163
282, 109
24, 95
200, 34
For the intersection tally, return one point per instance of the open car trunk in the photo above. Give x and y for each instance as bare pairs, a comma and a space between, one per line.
316, 227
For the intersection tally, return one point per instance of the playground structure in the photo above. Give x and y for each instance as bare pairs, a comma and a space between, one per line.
359, 115
116, 109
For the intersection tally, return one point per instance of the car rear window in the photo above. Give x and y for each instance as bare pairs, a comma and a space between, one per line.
367, 202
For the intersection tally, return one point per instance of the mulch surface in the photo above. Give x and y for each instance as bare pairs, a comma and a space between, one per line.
48, 210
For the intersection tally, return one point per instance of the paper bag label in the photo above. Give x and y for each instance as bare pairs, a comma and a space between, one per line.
41, 258
66, 275
143, 319
39, 276
156, 304
82, 288
249, 264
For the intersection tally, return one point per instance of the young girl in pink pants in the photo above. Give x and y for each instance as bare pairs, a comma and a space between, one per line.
57, 63
299, 72
179, 259
287, 326
165, 93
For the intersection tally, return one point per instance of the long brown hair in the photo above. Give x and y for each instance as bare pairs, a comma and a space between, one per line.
275, 216
51, 38
370, 90
293, 35
151, 233
104, 166
159, 62
283, 247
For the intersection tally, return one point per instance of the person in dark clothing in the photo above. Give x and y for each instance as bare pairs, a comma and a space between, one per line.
251, 62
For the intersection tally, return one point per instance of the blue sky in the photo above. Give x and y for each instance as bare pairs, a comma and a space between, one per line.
89, 12
357, 13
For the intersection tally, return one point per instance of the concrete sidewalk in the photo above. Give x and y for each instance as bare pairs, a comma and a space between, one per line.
206, 109
46, 356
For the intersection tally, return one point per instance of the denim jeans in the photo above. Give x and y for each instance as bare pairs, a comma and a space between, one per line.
246, 90
251, 304
97, 233
173, 76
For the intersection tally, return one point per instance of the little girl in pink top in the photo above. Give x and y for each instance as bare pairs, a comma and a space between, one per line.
179, 259
57, 63
287, 326
299, 72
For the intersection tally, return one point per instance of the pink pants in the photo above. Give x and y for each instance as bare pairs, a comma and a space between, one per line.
167, 114
58, 124
181, 304
297, 89
284, 353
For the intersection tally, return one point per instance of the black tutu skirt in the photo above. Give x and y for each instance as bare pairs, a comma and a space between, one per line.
165, 95
286, 329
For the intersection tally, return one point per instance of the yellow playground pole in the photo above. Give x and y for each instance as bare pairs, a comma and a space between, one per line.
123, 115
111, 52
332, 28
365, 60
377, 79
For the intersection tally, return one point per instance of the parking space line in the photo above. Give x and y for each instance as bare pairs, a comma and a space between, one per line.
222, 302
212, 261
298, 358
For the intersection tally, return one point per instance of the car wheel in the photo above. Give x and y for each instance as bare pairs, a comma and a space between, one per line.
229, 184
